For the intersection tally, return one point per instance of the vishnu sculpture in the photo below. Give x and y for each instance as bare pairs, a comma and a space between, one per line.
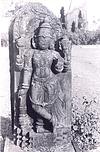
45, 93
43, 80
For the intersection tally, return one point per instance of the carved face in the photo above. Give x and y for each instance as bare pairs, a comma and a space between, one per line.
44, 42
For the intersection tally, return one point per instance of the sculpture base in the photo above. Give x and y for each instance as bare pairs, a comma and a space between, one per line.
47, 143
59, 141
44, 141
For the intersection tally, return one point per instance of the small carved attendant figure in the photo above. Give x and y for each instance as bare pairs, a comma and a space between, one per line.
40, 79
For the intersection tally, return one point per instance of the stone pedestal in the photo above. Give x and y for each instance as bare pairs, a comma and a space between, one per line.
59, 141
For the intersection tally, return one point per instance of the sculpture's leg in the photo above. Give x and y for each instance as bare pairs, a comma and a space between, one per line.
40, 110
45, 114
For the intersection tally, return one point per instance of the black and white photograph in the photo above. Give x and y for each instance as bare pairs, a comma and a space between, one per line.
49, 76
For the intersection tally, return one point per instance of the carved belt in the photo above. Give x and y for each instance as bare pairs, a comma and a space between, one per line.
43, 80
43, 104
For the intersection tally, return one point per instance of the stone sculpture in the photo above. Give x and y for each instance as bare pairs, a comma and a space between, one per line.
45, 93
41, 106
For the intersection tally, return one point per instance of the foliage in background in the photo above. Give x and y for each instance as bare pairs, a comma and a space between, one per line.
81, 21
78, 33
62, 17
73, 26
84, 37
85, 122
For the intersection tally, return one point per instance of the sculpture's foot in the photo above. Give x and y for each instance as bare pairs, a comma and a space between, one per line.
40, 129
56, 124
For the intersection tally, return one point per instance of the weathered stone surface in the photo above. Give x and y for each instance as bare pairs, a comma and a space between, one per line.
28, 18
40, 81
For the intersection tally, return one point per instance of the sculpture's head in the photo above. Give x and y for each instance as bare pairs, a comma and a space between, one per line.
45, 36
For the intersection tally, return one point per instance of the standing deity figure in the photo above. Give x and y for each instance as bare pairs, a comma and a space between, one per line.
40, 79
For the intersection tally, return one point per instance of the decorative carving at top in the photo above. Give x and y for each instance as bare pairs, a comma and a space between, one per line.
27, 22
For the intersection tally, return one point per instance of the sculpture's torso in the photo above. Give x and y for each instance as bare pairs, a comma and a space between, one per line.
42, 61
44, 81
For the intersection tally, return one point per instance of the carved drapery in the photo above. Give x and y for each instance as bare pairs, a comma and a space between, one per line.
41, 102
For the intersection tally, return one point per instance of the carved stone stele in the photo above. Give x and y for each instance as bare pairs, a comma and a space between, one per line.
40, 67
